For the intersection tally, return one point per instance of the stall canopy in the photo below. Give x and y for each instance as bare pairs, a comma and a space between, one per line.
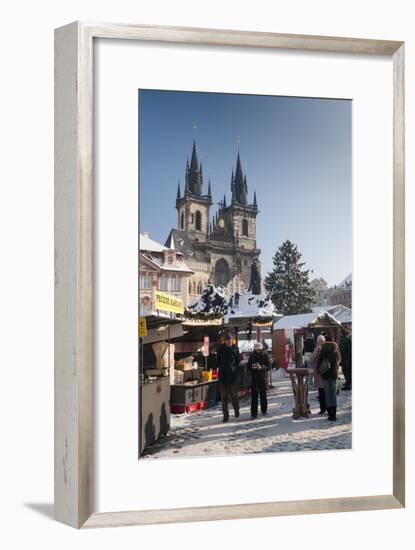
307, 320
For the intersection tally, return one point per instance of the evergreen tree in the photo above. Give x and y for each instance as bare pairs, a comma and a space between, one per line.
287, 284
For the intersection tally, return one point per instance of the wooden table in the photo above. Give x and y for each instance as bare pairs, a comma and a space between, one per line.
299, 381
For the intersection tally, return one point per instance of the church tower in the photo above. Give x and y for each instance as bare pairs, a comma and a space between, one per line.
193, 206
236, 224
239, 218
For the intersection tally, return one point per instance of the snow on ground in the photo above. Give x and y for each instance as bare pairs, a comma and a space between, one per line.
204, 434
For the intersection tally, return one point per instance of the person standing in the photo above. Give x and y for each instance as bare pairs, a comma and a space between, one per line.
345, 345
328, 365
228, 363
318, 382
259, 365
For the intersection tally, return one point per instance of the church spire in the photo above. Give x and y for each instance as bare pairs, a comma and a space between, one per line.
194, 173
240, 185
178, 190
255, 202
209, 190
224, 200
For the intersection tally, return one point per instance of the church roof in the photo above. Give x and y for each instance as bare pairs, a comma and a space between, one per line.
179, 240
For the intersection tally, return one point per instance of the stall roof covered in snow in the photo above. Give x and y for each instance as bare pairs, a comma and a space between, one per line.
304, 320
250, 306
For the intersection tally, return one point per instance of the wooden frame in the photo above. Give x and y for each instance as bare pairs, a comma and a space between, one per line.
74, 482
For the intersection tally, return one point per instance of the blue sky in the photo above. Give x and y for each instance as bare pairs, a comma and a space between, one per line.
296, 153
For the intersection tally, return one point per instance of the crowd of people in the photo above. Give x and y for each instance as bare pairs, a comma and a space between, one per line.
323, 355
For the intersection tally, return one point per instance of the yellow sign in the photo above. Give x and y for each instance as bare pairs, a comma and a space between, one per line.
143, 327
165, 302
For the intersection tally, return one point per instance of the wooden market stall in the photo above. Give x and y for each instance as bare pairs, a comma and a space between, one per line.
156, 371
291, 330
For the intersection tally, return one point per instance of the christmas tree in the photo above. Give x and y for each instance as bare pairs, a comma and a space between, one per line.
288, 284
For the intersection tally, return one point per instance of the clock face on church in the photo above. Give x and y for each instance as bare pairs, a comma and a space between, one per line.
221, 223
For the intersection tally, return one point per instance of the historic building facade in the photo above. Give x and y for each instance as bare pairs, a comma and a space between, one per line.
160, 269
216, 248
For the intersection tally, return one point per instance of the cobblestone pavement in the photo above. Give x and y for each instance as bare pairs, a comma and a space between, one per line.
203, 433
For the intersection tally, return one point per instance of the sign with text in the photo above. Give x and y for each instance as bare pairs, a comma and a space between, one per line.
143, 327
166, 302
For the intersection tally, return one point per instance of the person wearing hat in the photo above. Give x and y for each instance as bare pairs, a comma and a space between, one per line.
228, 362
258, 365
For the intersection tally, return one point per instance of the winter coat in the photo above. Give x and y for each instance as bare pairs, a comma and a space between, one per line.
263, 360
331, 352
345, 350
228, 363
314, 359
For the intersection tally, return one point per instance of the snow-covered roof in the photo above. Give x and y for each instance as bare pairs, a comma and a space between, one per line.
341, 313
304, 320
148, 244
250, 305
213, 301
180, 267
347, 282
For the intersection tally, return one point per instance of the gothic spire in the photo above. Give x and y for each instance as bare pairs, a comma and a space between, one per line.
240, 184
255, 202
178, 190
194, 164
224, 200
194, 173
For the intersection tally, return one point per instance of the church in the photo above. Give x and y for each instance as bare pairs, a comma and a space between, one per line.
218, 249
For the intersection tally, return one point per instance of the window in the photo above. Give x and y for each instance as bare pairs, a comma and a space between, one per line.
193, 218
245, 228
222, 273
182, 221
145, 306
190, 287
169, 259
194, 287
198, 221
176, 283
199, 288
164, 282
146, 281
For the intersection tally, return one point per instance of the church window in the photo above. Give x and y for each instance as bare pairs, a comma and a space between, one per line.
198, 220
222, 275
194, 287
245, 227
182, 221
193, 218
199, 288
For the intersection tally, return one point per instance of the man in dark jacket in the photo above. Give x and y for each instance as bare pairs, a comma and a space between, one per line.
228, 362
330, 354
258, 365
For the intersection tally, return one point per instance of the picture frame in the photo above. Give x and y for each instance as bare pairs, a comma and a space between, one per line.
74, 273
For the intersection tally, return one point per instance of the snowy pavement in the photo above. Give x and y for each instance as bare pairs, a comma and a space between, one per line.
204, 434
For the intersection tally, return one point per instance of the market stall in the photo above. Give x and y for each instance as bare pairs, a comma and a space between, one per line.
195, 384
156, 372
290, 332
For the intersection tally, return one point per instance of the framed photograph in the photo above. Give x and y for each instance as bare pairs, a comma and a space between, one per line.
229, 274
